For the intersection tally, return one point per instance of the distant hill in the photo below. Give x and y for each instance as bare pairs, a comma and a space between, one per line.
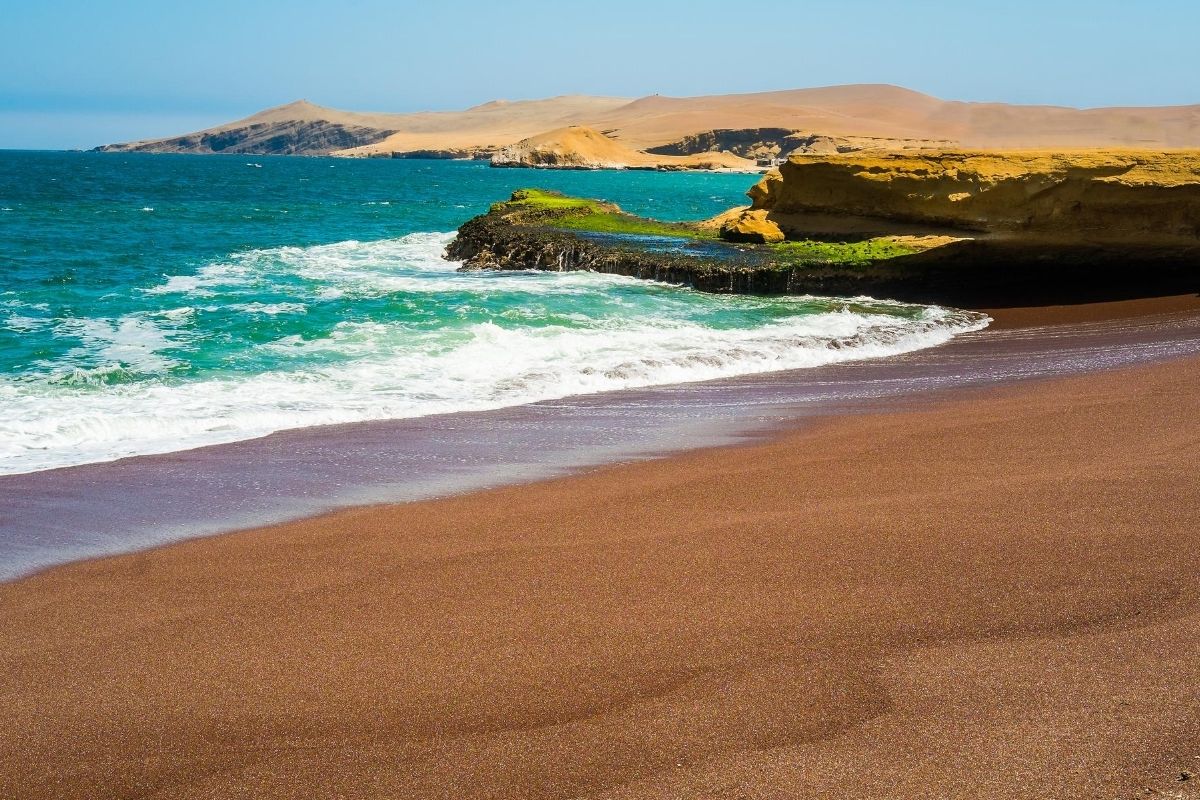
303, 128
761, 124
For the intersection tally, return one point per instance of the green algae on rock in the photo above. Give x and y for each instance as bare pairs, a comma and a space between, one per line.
545, 230
968, 229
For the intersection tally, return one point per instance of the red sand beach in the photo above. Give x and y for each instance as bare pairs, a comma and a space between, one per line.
990, 594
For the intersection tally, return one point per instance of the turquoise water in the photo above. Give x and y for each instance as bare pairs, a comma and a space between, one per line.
154, 303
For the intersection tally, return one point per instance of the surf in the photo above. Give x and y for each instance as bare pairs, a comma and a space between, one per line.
436, 341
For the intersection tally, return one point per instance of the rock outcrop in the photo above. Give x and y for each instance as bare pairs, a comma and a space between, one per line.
1120, 198
769, 144
751, 226
287, 138
443, 154
1052, 232
1008, 226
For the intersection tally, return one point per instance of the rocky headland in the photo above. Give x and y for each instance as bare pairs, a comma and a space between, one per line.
969, 228
1086, 196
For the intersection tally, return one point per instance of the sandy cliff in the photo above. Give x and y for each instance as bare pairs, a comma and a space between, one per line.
1124, 197
299, 128
966, 228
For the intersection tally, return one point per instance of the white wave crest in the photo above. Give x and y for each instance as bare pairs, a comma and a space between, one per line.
100, 405
344, 265
492, 367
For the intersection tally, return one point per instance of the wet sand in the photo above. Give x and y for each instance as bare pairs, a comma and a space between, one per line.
991, 594
69, 514
1028, 316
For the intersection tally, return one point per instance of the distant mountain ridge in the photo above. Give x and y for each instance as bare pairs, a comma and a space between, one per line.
836, 117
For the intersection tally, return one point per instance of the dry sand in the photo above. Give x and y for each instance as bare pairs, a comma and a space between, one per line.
886, 112
869, 110
583, 146
990, 595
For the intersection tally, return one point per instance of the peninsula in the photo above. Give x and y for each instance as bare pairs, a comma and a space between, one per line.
970, 228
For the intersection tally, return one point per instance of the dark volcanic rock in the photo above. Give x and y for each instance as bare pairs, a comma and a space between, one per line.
775, 143
449, 154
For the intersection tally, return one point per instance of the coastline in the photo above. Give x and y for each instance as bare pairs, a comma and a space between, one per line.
790, 243
793, 613
1035, 316
733, 617
108, 508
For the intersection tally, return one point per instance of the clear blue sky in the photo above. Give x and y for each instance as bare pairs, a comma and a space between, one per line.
76, 73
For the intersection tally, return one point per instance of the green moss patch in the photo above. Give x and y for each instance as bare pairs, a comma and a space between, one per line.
550, 209
608, 222
557, 210
544, 200
850, 253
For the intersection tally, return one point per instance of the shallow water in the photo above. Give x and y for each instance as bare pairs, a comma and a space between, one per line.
150, 304
61, 515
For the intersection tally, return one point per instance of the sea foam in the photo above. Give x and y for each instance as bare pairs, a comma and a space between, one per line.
412, 337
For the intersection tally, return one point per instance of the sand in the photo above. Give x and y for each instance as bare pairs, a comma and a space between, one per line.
986, 594
583, 146
894, 112
867, 110
1026, 317
870, 110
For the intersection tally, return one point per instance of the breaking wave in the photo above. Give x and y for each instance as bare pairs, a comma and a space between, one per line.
291, 337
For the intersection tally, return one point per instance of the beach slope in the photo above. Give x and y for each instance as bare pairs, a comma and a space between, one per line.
757, 124
990, 595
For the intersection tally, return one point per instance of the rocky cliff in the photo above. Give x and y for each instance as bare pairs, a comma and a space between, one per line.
774, 143
1009, 226
1118, 198
544, 230
288, 138
966, 229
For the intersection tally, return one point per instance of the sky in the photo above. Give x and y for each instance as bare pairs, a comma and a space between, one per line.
78, 73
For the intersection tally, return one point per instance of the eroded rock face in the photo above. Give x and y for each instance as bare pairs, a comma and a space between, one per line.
293, 137
444, 154
752, 226
765, 193
959, 269
1125, 197
770, 143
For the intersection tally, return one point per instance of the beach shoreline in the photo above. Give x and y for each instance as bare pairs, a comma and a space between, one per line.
107, 508
799, 615
1036, 316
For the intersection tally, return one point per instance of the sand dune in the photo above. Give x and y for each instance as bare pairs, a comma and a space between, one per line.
485, 126
872, 110
586, 148
895, 112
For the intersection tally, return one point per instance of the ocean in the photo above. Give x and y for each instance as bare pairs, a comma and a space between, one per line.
154, 303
